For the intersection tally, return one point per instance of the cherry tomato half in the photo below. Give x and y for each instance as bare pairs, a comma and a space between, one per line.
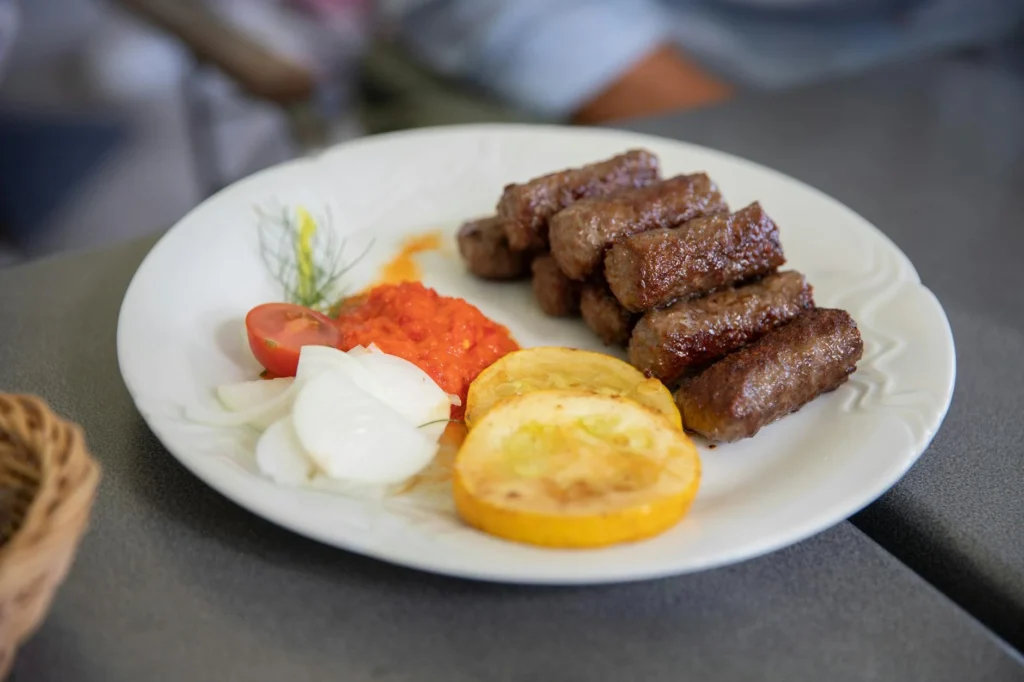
277, 331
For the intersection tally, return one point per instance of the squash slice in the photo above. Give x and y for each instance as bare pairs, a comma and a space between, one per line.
551, 367
574, 469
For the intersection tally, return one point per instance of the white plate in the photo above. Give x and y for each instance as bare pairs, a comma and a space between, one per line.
180, 334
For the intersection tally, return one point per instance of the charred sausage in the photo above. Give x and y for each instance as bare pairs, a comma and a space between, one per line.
485, 250
557, 295
527, 207
581, 233
776, 375
695, 332
604, 315
654, 268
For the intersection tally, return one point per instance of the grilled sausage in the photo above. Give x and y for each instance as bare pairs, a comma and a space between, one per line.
776, 375
581, 233
602, 313
528, 206
557, 295
484, 248
654, 268
692, 333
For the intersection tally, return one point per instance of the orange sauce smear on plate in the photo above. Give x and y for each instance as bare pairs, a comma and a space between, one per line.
403, 267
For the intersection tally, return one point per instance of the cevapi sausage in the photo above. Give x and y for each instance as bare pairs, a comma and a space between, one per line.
527, 207
485, 250
557, 295
655, 268
604, 315
690, 334
581, 233
776, 375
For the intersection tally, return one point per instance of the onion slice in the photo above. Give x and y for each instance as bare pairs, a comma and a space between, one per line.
353, 436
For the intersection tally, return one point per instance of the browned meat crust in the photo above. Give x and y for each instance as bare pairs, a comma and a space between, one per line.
602, 313
692, 333
528, 206
776, 375
484, 248
557, 295
654, 268
582, 233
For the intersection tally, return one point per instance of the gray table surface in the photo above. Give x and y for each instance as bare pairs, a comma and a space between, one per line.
174, 582
933, 154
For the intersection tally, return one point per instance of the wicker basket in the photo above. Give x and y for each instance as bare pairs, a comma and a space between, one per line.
47, 484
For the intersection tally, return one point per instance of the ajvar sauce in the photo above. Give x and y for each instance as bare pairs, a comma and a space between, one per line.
403, 267
448, 338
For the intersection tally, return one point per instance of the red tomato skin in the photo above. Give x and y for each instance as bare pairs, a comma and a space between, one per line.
275, 346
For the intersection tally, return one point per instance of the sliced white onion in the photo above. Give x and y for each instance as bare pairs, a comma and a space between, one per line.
408, 390
363, 350
248, 395
316, 360
280, 457
398, 383
352, 436
258, 414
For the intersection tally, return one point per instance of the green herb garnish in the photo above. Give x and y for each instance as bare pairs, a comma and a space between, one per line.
304, 256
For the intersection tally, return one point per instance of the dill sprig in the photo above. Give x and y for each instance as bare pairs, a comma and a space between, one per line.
304, 255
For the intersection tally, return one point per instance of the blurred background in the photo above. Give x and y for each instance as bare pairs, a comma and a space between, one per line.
118, 116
